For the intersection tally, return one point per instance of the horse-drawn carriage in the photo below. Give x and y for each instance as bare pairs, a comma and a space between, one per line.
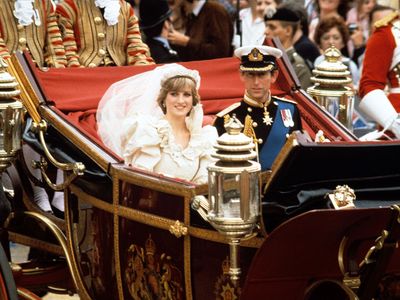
132, 234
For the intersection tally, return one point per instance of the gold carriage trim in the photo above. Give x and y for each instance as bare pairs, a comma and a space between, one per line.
342, 197
149, 273
178, 229
224, 287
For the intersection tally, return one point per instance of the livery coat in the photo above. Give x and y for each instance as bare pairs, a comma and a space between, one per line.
42, 38
89, 41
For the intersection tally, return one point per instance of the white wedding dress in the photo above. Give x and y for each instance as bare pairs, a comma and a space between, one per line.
131, 124
149, 143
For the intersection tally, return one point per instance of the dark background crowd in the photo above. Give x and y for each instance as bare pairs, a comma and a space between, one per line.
164, 31
305, 28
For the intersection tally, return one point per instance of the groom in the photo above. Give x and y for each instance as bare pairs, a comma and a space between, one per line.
267, 120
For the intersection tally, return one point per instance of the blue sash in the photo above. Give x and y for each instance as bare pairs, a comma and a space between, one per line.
276, 138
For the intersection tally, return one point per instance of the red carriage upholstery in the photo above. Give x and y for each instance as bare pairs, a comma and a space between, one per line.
76, 92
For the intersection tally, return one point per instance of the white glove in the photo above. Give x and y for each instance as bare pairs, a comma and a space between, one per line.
378, 107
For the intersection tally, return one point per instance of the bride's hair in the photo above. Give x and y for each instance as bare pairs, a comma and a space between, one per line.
177, 83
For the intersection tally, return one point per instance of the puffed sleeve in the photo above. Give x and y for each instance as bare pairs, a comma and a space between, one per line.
208, 139
141, 143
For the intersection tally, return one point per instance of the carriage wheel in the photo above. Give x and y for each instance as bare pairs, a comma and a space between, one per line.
8, 290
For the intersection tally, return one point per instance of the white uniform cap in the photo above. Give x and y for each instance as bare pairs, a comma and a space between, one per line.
258, 58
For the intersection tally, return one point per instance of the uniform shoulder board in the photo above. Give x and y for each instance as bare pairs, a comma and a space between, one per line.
387, 20
284, 99
228, 109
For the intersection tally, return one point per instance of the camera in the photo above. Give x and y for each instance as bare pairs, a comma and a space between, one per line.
352, 27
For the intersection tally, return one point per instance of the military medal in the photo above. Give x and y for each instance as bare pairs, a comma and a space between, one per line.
267, 119
287, 118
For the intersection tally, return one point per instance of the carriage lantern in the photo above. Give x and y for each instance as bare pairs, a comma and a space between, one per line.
330, 90
234, 190
10, 117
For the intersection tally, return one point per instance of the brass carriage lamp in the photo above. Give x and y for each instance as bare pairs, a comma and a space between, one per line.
11, 112
331, 87
234, 190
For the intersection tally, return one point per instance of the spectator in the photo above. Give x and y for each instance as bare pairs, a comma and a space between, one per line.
228, 5
101, 33
208, 32
178, 16
31, 25
155, 24
252, 24
327, 9
359, 27
333, 31
359, 15
302, 44
283, 24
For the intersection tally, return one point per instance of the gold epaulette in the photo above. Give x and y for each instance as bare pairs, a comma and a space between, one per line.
284, 99
228, 109
386, 20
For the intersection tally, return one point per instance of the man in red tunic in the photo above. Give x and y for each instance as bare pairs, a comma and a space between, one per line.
381, 68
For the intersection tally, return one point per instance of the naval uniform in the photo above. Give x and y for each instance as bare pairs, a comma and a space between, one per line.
268, 130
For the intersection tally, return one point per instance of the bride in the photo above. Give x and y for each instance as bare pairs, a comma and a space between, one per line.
154, 121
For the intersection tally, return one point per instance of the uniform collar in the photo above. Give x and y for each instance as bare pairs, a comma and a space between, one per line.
197, 6
255, 103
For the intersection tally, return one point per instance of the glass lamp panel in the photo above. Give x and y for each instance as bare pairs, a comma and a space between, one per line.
233, 195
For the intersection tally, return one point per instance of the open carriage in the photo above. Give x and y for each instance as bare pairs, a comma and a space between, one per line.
132, 234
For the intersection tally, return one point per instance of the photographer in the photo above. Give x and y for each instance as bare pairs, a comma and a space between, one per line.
356, 44
359, 27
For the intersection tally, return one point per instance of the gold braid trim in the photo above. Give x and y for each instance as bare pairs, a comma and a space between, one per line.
249, 131
227, 118
386, 20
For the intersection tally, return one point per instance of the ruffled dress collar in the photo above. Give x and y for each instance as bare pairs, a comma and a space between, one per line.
177, 152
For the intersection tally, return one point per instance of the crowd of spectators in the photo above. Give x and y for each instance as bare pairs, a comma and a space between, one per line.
162, 31
346, 24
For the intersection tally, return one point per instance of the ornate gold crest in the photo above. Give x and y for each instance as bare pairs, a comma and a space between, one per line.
255, 55
342, 197
149, 275
224, 287
227, 118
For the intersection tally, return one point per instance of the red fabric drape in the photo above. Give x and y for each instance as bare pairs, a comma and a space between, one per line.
76, 92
